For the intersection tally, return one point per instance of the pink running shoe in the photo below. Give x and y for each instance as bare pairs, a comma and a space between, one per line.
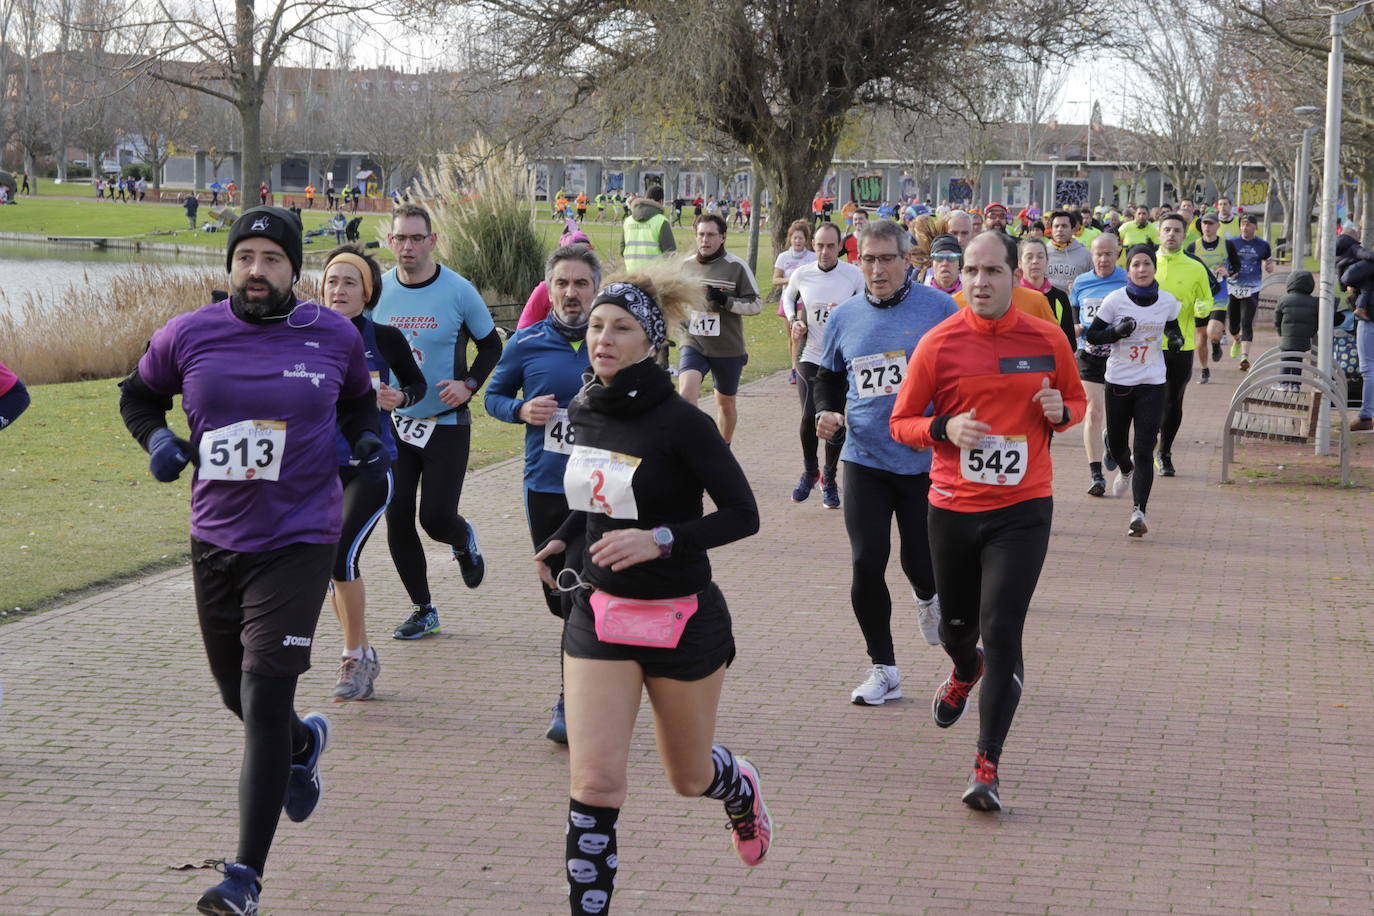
753, 830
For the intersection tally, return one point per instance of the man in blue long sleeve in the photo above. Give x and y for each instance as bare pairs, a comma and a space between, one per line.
538, 374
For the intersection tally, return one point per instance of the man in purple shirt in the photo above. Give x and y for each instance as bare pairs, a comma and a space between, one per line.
265, 379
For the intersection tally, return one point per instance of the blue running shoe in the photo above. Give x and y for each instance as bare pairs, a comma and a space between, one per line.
236, 895
304, 788
558, 726
470, 560
804, 486
830, 489
423, 620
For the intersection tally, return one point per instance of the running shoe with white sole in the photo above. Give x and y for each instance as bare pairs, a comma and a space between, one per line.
236, 895
305, 786
928, 616
470, 560
830, 490
354, 679
952, 698
884, 683
981, 794
1137, 528
804, 486
423, 620
1165, 463
1206, 376
752, 831
1122, 484
1099, 487
558, 724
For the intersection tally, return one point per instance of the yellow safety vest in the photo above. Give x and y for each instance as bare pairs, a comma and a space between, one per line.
641, 239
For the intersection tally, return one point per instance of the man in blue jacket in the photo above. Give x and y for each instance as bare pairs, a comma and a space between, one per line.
538, 374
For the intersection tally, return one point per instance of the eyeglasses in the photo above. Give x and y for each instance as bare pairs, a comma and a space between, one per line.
416, 239
883, 259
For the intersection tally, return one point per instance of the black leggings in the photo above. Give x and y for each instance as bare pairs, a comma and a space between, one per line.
1142, 405
987, 565
545, 512
806, 387
1240, 316
13, 403
364, 502
1178, 372
442, 463
872, 497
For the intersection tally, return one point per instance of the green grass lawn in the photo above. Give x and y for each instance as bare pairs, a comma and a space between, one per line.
81, 510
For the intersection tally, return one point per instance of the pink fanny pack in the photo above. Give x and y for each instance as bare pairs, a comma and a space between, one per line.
656, 623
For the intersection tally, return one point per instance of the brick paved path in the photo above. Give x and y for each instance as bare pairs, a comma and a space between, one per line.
1196, 723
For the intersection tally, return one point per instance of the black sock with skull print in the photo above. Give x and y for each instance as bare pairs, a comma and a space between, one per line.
591, 858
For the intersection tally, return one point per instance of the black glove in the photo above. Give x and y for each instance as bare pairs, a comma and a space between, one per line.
1174, 337
371, 457
1123, 327
168, 455
716, 296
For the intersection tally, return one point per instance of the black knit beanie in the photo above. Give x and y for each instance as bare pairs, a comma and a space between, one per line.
275, 223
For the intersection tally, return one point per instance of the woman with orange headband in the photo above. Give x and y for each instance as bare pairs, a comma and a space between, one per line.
353, 282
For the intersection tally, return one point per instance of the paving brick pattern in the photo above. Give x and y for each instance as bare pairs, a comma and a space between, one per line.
1196, 721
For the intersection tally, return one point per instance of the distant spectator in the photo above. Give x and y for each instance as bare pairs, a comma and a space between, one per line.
99, 188
264, 193
1296, 319
24, 189
192, 206
329, 196
142, 188
337, 225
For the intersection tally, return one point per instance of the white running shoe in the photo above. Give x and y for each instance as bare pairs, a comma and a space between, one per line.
884, 683
928, 616
1121, 486
1137, 528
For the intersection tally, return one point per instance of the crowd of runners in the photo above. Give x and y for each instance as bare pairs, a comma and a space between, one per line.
936, 354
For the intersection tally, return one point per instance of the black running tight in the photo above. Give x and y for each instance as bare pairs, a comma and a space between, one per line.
806, 383
872, 497
1140, 406
545, 512
273, 736
1178, 372
441, 465
987, 565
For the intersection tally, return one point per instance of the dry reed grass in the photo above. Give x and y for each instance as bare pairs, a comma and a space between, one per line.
86, 332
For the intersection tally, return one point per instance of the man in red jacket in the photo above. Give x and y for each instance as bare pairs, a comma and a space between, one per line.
999, 382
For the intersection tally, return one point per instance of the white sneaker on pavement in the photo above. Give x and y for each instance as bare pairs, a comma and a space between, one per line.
884, 683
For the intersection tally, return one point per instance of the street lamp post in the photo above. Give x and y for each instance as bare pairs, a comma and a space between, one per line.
1240, 172
1335, 75
1302, 207
1054, 166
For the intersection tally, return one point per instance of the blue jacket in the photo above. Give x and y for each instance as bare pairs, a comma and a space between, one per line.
536, 361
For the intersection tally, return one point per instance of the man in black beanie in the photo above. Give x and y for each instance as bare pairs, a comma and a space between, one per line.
267, 383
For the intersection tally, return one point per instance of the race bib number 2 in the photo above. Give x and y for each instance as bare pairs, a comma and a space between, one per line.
247, 450
879, 374
704, 324
997, 460
597, 480
558, 433
413, 430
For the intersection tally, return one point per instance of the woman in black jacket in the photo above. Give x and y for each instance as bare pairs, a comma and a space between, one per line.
645, 613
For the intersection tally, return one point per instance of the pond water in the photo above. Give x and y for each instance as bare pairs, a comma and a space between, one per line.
42, 269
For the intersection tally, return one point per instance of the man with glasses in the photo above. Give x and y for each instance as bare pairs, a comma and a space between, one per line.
438, 311
868, 343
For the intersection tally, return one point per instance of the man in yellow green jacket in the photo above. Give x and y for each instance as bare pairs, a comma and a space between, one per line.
1190, 283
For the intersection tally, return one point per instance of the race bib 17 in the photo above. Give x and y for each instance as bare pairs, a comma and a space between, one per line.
704, 324
247, 450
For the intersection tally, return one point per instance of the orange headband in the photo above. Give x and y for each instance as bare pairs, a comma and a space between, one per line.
348, 257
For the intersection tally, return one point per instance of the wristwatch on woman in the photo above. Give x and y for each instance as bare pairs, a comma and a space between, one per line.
663, 537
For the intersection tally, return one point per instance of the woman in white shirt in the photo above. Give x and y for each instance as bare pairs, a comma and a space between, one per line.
1135, 320
797, 253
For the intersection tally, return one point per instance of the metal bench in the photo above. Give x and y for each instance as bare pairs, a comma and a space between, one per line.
1258, 411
